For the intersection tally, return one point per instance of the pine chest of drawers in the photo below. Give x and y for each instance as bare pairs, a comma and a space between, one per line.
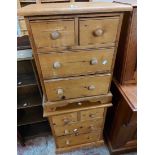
74, 46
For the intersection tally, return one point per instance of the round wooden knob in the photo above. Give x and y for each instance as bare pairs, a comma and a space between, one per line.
98, 32
55, 35
56, 65
93, 61
91, 87
92, 115
104, 62
67, 142
92, 127
75, 130
79, 103
60, 91
66, 120
66, 132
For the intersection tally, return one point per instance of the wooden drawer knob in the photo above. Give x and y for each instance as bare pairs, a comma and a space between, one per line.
104, 62
66, 132
92, 127
56, 65
93, 61
98, 32
66, 121
91, 87
92, 115
67, 142
60, 91
76, 132
79, 103
55, 35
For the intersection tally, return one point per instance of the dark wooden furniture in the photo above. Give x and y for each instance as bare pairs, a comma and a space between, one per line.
30, 121
125, 70
121, 123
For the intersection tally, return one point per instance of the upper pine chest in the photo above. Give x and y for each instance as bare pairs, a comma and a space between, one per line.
74, 46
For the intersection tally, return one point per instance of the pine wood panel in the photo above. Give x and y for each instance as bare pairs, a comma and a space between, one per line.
71, 62
77, 87
72, 8
91, 114
108, 26
79, 128
42, 31
75, 140
64, 119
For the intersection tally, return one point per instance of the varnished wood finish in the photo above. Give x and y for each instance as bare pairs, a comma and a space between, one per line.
81, 128
126, 60
64, 119
72, 8
77, 87
75, 47
50, 106
69, 126
88, 27
42, 31
71, 62
121, 123
75, 140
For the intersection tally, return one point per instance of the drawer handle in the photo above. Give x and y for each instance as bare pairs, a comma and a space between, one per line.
55, 35
60, 91
66, 121
91, 87
67, 142
104, 62
79, 103
93, 61
98, 32
92, 115
92, 127
66, 132
56, 65
76, 132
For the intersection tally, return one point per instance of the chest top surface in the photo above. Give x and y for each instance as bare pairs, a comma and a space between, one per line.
72, 8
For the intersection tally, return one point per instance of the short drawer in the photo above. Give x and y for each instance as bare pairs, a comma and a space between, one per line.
98, 30
75, 63
78, 128
92, 114
67, 88
75, 140
64, 119
53, 33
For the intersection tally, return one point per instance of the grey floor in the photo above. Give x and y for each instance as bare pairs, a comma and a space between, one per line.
46, 146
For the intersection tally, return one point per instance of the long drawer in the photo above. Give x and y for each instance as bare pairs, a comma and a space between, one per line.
75, 63
71, 140
66, 88
79, 128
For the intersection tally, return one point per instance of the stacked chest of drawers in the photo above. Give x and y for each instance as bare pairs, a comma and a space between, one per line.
74, 46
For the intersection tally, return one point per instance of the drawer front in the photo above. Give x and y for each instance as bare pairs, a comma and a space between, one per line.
60, 89
64, 119
92, 114
75, 140
78, 128
54, 33
69, 63
98, 30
